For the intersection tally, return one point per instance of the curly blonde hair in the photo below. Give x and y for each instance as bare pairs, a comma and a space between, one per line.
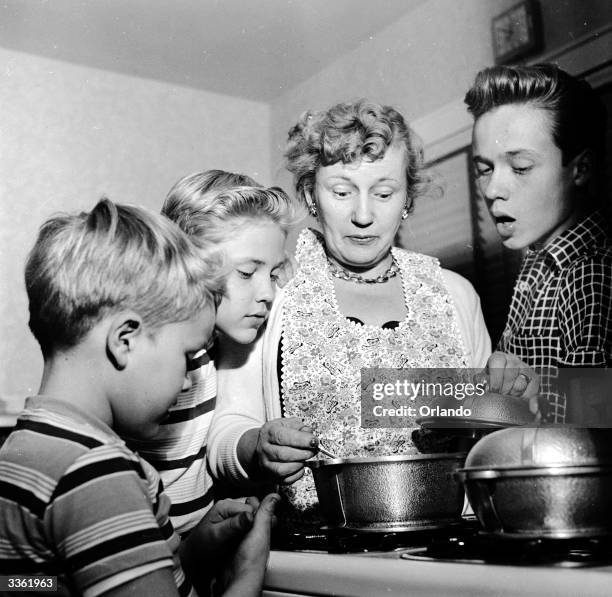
348, 132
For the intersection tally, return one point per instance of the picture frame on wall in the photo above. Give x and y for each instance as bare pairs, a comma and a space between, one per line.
517, 32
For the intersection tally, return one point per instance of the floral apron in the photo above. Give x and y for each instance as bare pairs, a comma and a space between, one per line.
322, 353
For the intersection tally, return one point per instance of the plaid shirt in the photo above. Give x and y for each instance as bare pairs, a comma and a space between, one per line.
561, 310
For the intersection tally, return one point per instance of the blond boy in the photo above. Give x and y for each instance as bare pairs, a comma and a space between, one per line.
119, 301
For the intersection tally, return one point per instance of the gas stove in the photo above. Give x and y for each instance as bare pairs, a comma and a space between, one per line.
355, 540
457, 559
481, 548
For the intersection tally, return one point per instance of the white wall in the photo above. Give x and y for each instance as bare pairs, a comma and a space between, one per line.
70, 134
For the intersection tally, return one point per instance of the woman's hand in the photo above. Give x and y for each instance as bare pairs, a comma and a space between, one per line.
281, 448
510, 376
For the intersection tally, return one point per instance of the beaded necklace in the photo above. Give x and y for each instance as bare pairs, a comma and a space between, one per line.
339, 272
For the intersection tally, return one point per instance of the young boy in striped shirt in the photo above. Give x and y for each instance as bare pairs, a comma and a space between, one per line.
119, 301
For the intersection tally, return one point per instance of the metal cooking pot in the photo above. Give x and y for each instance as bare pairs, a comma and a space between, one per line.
542, 482
389, 492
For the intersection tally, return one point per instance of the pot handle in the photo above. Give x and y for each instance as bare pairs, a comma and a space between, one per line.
340, 498
485, 488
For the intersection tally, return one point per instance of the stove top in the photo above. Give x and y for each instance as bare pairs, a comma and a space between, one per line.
481, 548
348, 540
461, 542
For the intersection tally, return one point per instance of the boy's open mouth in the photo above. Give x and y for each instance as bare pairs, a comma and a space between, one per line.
505, 225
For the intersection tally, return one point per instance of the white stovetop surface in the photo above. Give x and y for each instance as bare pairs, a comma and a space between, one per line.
357, 575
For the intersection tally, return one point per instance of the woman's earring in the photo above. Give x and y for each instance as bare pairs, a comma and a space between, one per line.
406, 209
312, 209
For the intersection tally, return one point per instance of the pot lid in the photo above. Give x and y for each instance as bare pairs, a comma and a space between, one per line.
540, 447
489, 411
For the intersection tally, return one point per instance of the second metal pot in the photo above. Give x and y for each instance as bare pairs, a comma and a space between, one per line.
553, 482
390, 492
552, 502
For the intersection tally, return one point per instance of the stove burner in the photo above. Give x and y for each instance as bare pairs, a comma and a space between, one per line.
481, 548
349, 540
459, 543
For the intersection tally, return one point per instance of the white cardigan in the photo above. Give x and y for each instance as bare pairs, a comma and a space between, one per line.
248, 393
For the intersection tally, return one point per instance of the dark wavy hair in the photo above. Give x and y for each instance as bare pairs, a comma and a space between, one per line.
348, 132
577, 113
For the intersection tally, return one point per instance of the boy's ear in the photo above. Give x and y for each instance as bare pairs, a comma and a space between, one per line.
121, 338
582, 167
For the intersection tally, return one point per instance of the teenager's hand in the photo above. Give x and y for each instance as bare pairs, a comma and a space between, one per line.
509, 375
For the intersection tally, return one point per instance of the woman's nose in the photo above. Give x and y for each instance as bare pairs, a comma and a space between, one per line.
362, 211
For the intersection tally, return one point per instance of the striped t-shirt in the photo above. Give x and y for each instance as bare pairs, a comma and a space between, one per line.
76, 503
178, 451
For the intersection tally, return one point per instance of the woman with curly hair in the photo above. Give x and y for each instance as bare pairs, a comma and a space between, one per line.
356, 301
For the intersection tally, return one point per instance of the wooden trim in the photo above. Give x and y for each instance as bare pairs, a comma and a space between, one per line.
585, 56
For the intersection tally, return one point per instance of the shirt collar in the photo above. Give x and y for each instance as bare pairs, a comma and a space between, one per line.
578, 240
69, 411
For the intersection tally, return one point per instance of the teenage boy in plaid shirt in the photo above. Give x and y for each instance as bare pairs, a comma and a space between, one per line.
538, 141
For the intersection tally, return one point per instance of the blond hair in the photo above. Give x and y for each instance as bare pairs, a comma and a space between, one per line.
86, 266
210, 206
191, 190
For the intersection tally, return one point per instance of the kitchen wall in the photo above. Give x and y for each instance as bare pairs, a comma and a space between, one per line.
70, 134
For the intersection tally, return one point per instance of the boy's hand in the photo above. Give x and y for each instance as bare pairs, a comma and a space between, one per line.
205, 551
223, 526
245, 573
